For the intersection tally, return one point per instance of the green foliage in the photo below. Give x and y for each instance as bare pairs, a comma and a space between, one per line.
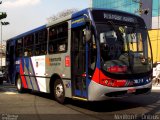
3, 15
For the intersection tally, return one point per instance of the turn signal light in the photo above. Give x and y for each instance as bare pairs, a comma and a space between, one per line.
67, 61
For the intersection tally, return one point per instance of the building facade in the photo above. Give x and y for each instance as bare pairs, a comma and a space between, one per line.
139, 7
116, 4
133, 6
155, 14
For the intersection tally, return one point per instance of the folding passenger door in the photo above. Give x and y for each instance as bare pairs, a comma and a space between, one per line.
78, 53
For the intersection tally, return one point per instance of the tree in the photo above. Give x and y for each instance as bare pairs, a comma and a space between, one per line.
62, 14
3, 15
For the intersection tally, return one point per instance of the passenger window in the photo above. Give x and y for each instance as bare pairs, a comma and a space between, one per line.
58, 38
19, 48
41, 42
29, 45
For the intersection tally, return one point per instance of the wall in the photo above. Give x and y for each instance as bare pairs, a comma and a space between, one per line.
154, 35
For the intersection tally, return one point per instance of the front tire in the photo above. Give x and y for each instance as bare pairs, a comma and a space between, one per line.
19, 85
59, 92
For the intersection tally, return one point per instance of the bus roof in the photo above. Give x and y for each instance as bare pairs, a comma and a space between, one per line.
114, 10
74, 15
84, 11
28, 32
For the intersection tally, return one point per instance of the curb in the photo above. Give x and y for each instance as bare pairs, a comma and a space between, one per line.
156, 87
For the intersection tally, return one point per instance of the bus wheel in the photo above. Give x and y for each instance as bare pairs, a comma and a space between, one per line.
19, 85
59, 92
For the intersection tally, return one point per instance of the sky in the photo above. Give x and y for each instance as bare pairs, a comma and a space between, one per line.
24, 15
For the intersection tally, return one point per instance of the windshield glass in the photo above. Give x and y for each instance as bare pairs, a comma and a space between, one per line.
124, 49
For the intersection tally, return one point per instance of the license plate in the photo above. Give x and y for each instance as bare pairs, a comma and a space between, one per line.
138, 81
132, 90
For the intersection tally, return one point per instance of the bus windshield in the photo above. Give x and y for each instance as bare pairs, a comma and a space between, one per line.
124, 49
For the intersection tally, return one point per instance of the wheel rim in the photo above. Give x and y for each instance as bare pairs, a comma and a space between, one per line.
59, 90
19, 84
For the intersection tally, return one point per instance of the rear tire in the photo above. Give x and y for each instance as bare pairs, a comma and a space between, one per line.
19, 86
59, 92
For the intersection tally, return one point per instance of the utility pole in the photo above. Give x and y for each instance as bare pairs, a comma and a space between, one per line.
2, 16
2, 24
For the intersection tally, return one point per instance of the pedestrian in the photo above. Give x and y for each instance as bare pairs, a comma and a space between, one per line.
157, 73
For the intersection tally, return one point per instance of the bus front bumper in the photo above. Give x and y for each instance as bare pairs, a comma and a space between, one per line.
98, 92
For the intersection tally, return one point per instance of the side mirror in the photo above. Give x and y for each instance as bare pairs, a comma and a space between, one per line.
102, 38
111, 36
87, 34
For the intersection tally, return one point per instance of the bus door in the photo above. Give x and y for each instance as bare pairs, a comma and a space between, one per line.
11, 64
78, 53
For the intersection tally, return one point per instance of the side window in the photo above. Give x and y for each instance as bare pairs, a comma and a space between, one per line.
58, 38
28, 45
19, 48
41, 42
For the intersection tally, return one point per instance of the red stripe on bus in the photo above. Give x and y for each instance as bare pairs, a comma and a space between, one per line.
96, 75
23, 77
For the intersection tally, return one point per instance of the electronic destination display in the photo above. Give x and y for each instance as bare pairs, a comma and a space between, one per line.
118, 16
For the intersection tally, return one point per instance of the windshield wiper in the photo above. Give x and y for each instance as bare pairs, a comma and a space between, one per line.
117, 31
130, 53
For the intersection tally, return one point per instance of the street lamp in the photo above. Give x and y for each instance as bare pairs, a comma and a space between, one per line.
2, 23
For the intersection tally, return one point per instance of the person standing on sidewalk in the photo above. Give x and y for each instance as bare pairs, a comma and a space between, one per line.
157, 73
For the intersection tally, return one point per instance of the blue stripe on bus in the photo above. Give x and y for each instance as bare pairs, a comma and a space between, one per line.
80, 13
98, 59
31, 83
84, 94
77, 92
23, 69
78, 18
81, 93
34, 74
27, 63
28, 66
98, 64
87, 80
77, 22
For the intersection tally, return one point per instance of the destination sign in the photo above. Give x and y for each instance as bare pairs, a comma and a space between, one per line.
119, 17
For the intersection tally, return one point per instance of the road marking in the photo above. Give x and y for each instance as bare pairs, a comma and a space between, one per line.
84, 99
10, 93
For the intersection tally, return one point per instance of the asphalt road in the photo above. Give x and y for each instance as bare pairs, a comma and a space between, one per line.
40, 106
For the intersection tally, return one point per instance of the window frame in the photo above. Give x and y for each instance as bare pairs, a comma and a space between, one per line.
41, 43
60, 40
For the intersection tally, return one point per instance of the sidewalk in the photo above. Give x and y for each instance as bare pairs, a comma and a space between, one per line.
156, 87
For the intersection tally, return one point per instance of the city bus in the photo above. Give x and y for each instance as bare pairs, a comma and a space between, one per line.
90, 55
